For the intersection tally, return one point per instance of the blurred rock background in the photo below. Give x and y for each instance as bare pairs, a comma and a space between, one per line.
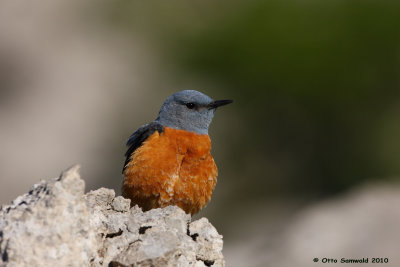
316, 114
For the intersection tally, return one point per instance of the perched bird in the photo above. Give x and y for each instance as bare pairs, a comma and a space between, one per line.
169, 161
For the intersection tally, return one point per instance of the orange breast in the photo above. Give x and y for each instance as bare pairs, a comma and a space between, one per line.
171, 168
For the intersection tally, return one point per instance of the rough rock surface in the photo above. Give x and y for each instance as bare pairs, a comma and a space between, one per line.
56, 224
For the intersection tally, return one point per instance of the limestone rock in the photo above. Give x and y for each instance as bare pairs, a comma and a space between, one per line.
56, 224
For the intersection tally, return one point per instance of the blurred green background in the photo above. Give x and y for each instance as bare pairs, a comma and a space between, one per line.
316, 86
315, 83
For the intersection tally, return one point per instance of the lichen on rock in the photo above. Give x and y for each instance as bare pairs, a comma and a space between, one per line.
56, 224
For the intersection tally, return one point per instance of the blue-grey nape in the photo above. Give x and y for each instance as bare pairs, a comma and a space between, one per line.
188, 110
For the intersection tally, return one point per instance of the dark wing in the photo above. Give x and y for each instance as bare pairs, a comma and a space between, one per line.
138, 137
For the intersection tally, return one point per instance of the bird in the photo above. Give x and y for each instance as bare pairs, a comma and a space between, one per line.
168, 161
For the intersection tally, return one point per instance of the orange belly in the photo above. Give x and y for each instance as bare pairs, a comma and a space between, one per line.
171, 168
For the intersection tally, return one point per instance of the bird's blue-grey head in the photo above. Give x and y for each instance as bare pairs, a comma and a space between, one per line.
189, 110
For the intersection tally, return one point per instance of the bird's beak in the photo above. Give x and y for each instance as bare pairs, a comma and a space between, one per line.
218, 103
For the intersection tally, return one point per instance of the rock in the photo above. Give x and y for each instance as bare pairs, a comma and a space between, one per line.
121, 204
360, 223
364, 223
56, 224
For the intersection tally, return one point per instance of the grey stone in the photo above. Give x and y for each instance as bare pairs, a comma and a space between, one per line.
121, 204
49, 226
56, 224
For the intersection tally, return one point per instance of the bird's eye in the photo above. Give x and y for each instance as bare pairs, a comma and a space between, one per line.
190, 105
